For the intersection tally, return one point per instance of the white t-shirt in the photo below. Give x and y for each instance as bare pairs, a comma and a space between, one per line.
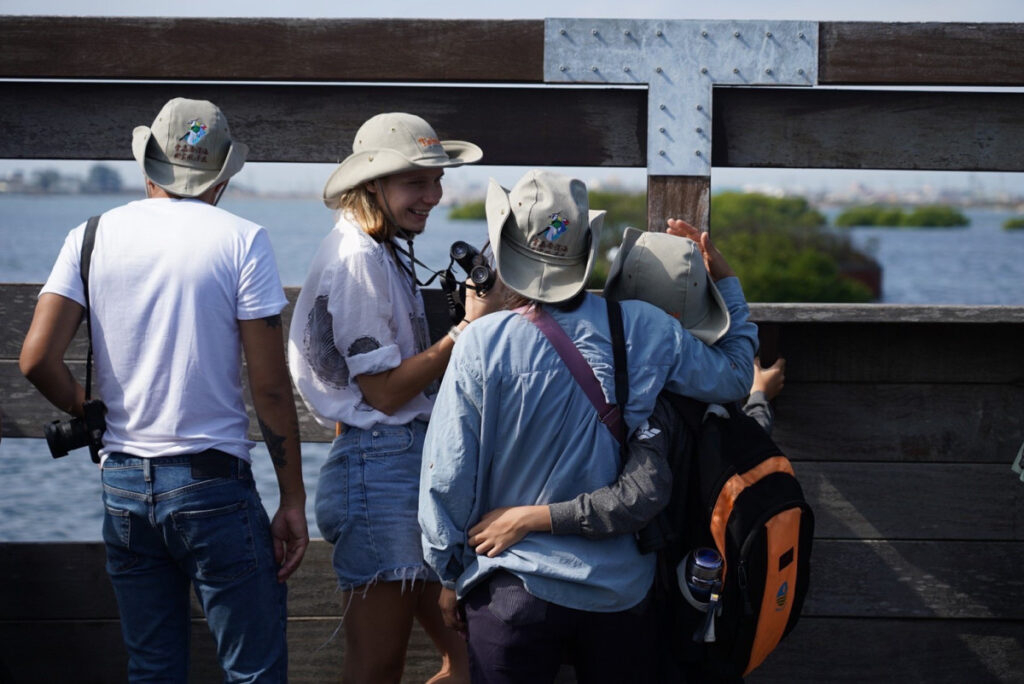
168, 282
358, 313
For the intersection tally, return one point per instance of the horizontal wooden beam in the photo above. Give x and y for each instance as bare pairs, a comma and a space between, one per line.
260, 49
246, 49
868, 129
934, 53
316, 123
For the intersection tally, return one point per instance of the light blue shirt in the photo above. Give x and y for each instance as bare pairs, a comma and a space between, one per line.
511, 426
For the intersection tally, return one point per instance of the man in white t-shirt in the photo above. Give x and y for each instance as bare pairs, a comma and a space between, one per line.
177, 289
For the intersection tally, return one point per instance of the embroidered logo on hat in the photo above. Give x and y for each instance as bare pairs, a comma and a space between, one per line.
194, 132
557, 227
428, 143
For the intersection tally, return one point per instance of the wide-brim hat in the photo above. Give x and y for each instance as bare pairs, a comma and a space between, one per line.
395, 142
668, 271
543, 234
188, 149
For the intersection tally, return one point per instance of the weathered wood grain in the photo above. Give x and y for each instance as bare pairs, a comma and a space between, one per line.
265, 49
900, 354
316, 123
863, 129
92, 651
682, 197
880, 422
986, 54
882, 651
913, 501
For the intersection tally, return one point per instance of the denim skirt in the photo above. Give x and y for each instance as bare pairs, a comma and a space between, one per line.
366, 505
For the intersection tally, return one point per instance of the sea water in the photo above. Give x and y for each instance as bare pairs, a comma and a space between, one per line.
50, 500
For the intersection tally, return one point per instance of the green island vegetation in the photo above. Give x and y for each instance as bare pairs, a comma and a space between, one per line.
932, 216
779, 247
1015, 223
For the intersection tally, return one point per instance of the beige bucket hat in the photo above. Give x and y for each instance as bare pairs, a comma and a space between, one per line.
668, 271
188, 149
392, 143
543, 234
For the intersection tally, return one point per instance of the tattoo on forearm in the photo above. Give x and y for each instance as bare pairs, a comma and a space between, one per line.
273, 321
275, 444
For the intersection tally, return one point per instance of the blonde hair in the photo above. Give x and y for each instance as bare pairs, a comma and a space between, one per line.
362, 204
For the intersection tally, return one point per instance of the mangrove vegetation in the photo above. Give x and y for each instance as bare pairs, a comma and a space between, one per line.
933, 216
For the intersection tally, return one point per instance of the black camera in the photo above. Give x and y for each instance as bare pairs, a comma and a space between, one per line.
474, 264
64, 436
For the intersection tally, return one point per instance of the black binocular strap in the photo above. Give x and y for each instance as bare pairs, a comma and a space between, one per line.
83, 268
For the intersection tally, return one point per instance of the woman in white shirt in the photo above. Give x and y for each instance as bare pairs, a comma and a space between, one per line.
362, 360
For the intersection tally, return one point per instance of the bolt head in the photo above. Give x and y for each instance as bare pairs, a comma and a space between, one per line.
661, 152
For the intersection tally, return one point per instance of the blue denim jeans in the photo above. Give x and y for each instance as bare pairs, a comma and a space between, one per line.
366, 505
179, 520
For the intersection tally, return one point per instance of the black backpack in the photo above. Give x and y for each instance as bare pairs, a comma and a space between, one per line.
734, 492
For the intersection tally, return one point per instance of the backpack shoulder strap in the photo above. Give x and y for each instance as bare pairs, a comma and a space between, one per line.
609, 414
88, 241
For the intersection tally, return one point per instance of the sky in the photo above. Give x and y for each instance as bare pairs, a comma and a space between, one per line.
309, 177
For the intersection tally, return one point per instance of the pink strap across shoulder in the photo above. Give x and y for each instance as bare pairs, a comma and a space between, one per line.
609, 414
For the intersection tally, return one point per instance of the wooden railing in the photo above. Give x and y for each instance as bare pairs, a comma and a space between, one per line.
901, 421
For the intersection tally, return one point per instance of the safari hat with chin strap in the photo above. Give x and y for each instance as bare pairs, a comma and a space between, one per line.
543, 234
668, 271
392, 143
188, 149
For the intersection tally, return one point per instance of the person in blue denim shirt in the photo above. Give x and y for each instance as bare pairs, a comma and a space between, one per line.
178, 290
512, 427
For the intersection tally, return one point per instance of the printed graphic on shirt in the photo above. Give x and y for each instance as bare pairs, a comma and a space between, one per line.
646, 432
363, 345
421, 334
323, 357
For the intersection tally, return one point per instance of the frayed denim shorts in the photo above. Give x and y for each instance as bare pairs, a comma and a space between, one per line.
366, 504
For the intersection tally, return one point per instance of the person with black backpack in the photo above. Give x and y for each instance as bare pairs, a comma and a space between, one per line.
515, 423
678, 433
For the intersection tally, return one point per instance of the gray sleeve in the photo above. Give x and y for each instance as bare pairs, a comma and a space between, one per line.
641, 491
758, 408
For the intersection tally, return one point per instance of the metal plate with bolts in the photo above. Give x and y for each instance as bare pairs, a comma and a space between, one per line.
679, 62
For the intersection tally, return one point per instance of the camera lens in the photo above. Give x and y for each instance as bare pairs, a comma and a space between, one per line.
62, 437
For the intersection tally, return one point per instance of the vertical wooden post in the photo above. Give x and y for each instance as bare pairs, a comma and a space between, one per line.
682, 197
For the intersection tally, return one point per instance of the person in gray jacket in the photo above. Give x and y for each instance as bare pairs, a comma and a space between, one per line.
645, 484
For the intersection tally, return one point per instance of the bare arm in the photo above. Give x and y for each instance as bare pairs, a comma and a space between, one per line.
392, 389
275, 409
54, 323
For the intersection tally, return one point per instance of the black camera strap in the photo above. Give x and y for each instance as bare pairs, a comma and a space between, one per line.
88, 241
